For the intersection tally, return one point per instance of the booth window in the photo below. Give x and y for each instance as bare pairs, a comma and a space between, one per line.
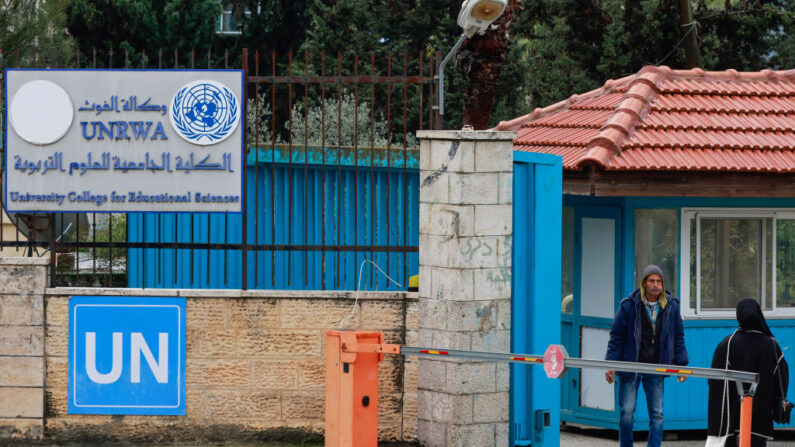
567, 264
656, 243
739, 253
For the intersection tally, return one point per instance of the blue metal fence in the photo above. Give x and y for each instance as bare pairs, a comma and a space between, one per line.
326, 213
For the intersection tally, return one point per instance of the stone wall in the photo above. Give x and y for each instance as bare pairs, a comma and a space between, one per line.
22, 283
254, 366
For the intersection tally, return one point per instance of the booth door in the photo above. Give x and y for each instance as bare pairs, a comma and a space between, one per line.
596, 289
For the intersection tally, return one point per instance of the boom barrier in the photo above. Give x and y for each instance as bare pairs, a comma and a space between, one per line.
352, 380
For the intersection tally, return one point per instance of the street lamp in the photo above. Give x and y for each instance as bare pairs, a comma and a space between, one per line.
475, 17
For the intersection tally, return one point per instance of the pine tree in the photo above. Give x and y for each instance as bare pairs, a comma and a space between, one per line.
29, 31
138, 27
747, 34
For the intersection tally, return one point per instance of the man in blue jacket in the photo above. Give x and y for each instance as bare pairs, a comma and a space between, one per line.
647, 328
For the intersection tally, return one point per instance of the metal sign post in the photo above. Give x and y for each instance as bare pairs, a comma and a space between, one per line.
555, 361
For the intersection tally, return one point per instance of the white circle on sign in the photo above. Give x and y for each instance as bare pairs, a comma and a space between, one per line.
41, 112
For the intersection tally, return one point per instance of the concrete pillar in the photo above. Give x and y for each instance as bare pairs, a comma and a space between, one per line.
22, 283
466, 212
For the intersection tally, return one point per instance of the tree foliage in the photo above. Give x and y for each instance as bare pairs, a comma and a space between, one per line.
268, 26
337, 122
361, 27
29, 28
557, 47
143, 27
567, 47
747, 34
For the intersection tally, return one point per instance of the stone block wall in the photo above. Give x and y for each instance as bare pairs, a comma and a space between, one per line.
254, 365
22, 285
466, 215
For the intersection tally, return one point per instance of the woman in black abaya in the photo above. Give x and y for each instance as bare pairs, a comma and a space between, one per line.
750, 348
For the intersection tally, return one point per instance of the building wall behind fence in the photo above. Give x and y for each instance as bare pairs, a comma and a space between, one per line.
254, 369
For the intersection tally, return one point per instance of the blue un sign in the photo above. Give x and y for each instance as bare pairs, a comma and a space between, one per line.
127, 355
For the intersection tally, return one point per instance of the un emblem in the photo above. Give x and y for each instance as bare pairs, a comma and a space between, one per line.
204, 112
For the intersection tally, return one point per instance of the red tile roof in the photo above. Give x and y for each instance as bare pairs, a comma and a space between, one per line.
663, 119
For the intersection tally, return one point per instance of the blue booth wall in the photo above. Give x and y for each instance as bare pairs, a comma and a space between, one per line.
685, 404
336, 200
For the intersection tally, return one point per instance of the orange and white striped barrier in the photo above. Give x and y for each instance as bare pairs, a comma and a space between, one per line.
352, 359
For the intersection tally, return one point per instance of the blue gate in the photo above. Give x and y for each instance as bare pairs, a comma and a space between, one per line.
535, 323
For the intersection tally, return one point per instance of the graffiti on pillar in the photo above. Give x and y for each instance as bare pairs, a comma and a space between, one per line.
503, 272
473, 246
431, 179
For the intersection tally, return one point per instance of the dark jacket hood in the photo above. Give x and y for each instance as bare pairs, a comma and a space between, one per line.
750, 317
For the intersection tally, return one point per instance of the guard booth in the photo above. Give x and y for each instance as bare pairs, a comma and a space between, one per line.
535, 311
689, 170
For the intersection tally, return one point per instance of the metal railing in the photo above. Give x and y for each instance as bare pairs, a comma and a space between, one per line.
331, 180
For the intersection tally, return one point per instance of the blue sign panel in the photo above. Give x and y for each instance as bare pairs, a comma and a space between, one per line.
127, 355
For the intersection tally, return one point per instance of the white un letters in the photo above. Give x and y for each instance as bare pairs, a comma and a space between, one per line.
138, 347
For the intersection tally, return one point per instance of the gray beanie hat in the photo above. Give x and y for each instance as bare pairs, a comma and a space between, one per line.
649, 270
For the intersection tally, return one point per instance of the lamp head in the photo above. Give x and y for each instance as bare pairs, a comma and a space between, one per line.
477, 15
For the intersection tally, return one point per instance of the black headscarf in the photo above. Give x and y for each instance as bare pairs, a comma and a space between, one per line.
750, 317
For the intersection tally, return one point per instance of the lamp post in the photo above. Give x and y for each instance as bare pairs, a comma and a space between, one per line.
475, 17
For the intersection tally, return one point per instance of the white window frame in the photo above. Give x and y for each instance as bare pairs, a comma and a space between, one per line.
690, 214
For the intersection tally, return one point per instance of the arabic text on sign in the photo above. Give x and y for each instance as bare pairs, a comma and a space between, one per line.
128, 105
106, 162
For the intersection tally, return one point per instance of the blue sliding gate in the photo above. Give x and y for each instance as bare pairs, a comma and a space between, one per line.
331, 202
535, 322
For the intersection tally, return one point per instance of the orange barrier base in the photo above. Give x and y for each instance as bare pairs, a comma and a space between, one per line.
745, 421
352, 388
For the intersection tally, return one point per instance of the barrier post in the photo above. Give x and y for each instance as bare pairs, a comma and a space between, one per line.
352, 388
746, 409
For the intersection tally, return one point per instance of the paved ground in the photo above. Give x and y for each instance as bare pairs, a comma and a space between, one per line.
569, 437
582, 437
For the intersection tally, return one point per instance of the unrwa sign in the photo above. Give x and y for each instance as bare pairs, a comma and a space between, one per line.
124, 140
127, 355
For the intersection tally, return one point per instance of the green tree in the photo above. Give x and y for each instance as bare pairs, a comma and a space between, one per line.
747, 34
396, 34
112, 27
342, 122
190, 24
556, 48
268, 26
28, 30
360, 27
566, 47
543, 68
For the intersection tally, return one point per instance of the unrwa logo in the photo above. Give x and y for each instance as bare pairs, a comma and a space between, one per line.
204, 112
